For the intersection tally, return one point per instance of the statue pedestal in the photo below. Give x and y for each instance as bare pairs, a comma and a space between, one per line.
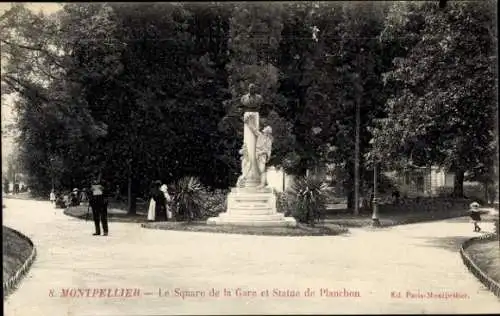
252, 207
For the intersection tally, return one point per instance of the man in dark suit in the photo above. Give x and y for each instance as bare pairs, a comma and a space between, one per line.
99, 205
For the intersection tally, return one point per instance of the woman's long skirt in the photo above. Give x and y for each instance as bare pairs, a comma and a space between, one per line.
152, 210
161, 213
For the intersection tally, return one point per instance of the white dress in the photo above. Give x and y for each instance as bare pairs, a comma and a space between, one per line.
151, 210
164, 189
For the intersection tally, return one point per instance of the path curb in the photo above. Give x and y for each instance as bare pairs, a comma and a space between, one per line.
11, 283
491, 284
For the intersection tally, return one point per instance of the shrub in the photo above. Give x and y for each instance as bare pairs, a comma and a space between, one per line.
444, 191
214, 203
475, 191
188, 198
385, 185
307, 199
284, 203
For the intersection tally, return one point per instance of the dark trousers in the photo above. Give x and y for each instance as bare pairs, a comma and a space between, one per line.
100, 214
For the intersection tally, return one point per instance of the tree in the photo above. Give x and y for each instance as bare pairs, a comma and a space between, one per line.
255, 35
447, 72
51, 115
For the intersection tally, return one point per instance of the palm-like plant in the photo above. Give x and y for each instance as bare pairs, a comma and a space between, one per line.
188, 197
308, 196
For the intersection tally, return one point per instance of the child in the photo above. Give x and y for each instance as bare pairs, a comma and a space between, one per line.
475, 215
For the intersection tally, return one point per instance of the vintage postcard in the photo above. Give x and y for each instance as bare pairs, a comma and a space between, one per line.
236, 158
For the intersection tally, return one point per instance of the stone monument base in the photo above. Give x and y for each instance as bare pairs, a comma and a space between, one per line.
252, 207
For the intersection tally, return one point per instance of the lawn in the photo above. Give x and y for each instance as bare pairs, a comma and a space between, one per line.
486, 255
393, 219
15, 252
400, 215
116, 213
300, 230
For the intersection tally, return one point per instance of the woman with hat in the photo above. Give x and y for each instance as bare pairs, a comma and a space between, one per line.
157, 205
164, 190
74, 197
475, 215
160, 202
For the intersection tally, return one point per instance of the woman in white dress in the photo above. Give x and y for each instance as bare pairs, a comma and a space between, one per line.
152, 204
164, 189
52, 197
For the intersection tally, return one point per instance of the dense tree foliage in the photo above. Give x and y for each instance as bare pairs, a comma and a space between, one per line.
442, 109
137, 92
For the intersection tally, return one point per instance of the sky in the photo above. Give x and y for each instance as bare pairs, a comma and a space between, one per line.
46, 7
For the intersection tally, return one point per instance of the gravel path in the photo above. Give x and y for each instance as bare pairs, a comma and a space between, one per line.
363, 272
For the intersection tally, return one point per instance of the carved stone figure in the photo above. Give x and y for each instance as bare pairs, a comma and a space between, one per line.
263, 151
251, 202
251, 103
245, 167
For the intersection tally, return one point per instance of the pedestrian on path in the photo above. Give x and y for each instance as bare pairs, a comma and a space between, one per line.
152, 203
84, 196
160, 202
99, 205
475, 215
164, 190
52, 197
75, 201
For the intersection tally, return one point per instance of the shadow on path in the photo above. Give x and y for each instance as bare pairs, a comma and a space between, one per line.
450, 243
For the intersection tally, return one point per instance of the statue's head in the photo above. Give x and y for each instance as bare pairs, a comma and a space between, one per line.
251, 89
267, 130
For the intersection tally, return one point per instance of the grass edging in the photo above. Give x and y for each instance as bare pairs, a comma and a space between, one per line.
491, 284
250, 230
112, 218
387, 221
22, 197
13, 281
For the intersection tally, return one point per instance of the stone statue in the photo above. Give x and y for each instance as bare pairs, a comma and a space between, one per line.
263, 151
245, 167
251, 103
251, 203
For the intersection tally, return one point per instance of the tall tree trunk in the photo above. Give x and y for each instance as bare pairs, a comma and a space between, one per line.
349, 186
458, 185
486, 193
131, 194
350, 199
357, 179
